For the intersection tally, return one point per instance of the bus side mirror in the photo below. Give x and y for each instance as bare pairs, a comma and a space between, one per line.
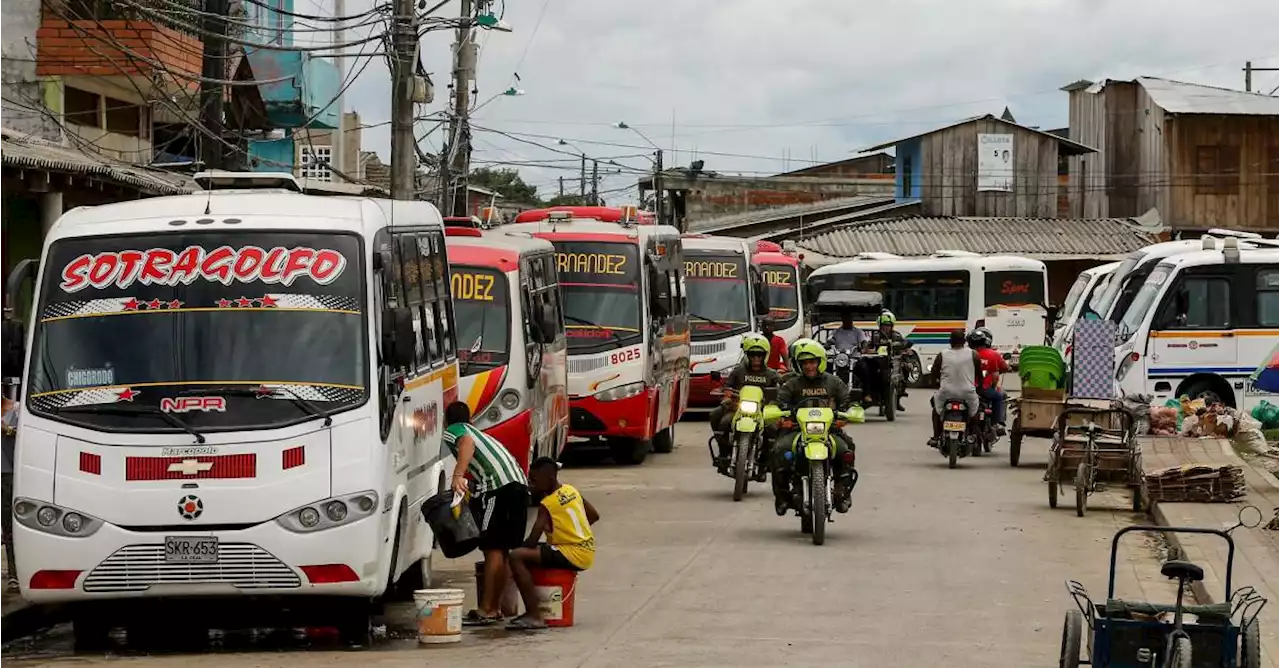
14, 348
398, 345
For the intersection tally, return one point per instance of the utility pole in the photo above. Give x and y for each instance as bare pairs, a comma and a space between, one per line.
562, 187
212, 67
657, 188
582, 180
459, 153
595, 183
404, 160
1249, 69
338, 152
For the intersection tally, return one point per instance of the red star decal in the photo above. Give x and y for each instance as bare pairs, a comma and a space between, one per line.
131, 304
127, 394
244, 302
224, 303
268, 301
154, 304
175, 303
263, 391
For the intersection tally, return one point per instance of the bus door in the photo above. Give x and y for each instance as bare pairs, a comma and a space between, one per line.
1014, 309
545, 353
668, 331
1191, 329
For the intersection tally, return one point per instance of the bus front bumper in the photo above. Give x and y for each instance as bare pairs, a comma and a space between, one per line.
262, 560
624, 418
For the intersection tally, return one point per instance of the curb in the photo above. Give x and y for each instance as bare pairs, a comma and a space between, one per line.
1201, 592
25, 619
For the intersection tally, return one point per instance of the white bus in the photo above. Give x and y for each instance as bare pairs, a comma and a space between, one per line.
947, 291
725, 300
233, 393
1202, 321
1081, 293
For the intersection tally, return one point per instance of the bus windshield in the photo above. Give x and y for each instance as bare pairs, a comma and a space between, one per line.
200, 323
1104, 297
780, 282
1075, 294
481, 307
1014, 288
1128, 290
718, 294
1144, 299
599, 282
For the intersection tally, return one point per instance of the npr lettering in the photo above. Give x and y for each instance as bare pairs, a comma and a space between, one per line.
591, 263
777, 278
473, 287
188, 404
707, 269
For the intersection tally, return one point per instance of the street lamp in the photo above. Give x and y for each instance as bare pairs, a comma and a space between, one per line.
657, 171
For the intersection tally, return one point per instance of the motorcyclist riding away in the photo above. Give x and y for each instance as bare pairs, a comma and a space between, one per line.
993, 365
811, 386
958, 370
886, 335
752, 371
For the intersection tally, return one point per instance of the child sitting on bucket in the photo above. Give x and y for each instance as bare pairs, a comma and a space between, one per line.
566, 518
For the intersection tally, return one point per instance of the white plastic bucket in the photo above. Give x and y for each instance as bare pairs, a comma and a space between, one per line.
439, 615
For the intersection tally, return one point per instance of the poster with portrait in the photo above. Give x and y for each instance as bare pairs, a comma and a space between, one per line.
995, 162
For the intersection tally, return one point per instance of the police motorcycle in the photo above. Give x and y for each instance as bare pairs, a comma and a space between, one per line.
812, 455
747, 429
869, 373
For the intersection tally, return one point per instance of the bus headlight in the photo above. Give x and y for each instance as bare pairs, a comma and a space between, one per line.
54, 519
329, 513
621, 392
510, 400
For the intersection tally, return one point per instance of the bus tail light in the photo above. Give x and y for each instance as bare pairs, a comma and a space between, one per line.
55, 579
329, 573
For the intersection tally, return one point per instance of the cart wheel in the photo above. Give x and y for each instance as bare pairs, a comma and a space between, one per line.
1015, 445
1072, 628
1082, 489
1181, 655
1250, 646
1053, 493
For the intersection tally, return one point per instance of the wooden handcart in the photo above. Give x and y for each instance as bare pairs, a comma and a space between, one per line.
1093, 447
1034, 413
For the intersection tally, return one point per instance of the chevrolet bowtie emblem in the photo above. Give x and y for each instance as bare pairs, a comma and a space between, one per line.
190, 466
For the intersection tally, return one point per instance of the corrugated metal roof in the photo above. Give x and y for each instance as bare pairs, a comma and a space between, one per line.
1039, 238
730, 221
1177, 97
24, 151
1065, 146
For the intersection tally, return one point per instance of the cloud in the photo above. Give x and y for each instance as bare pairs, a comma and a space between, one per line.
805, 78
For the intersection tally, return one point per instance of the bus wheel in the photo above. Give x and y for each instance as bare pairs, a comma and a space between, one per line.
628, 451
665, 441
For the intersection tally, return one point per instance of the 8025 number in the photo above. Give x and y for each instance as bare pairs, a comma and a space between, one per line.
624, 356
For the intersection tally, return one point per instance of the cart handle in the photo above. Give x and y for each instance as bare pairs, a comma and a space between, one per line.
1081, 598
1115, 542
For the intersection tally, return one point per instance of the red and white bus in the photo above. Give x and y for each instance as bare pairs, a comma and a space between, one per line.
726, 300
628, 332
512, 362
781, 275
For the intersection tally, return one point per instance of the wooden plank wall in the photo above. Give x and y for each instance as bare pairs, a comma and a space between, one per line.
1087, 175
1252, 204
1123, 158
1153, 160
949, 173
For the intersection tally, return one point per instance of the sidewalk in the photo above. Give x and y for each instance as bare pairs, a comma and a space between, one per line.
1256, 549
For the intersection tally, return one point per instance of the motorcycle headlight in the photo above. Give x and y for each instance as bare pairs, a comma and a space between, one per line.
842, 359
748, 407
814, 428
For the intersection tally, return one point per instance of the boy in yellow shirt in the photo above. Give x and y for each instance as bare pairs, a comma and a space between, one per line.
566, 518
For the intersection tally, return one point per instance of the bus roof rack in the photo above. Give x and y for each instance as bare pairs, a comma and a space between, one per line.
877, 255
1219, 232
218, 179
955, 253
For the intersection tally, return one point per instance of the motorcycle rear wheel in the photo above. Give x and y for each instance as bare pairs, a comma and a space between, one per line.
953, 452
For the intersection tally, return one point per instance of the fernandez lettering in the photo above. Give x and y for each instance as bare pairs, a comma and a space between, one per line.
472, 287
711, 269
614, 264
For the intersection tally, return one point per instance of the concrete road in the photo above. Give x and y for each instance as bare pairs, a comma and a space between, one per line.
932, 567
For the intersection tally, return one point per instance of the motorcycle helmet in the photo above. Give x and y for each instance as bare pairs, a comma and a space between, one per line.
976, 339
986, 335
755, 343
804, 349
886, 318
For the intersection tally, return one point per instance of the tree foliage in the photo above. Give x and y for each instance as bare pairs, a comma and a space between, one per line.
505, 182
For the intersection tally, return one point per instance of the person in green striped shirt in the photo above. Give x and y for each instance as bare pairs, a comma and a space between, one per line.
500, 503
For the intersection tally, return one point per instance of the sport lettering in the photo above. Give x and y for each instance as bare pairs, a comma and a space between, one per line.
592, 263
472, 287
161, 266
710, 269
1012, 288
779, 278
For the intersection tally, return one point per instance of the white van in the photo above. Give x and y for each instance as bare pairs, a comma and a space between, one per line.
1082, 291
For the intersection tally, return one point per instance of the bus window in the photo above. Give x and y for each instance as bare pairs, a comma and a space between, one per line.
407, 272
1268, 308
1014, 288
1199, 302
446, 333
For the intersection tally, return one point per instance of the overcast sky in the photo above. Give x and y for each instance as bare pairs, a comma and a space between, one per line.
781, 84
